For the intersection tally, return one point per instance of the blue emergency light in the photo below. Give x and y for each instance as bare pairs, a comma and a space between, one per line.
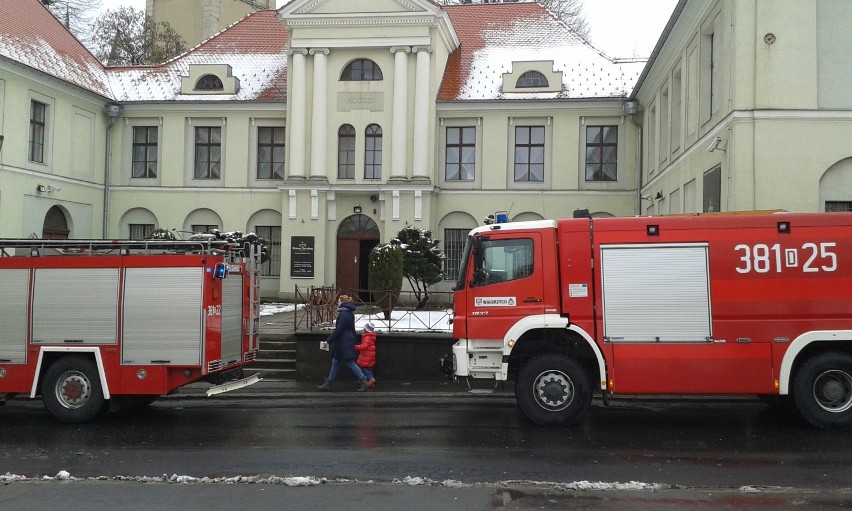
502, 217
221, 271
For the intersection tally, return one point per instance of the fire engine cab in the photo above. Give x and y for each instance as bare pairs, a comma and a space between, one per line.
88, 324
705, 304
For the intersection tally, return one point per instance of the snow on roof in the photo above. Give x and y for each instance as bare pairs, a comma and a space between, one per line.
255, 47
32, 36
493, 36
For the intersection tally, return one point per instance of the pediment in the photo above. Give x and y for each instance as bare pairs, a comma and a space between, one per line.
359, 7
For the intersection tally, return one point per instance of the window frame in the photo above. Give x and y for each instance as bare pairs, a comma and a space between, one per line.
532, 79
210, 146
373, 143
529, 147
37, 126
460, 147
147, 231
272, 146
454, 243
356, 71
146, 146
346, 167
272, 234
209, 82
600, 150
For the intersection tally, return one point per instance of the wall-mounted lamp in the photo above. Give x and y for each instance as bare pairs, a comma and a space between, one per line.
658, 196
1, 142
41, 188
357, 210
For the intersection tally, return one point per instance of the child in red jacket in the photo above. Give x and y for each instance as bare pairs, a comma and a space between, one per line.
367, 353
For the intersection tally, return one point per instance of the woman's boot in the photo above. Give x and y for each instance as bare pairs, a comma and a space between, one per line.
325, 386
364, 385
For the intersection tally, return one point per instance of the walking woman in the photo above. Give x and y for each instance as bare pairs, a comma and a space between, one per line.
341, 343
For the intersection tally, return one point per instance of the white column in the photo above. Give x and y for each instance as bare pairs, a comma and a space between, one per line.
319, 117
420, 160
296, 125
399, 130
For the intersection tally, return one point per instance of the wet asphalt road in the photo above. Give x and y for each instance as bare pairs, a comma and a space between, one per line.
717, 454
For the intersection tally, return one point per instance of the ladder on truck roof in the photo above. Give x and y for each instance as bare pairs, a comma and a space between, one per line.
39, 247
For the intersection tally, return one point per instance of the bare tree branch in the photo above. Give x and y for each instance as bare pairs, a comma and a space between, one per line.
127, 37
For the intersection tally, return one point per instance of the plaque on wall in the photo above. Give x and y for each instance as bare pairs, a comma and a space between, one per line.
302, 256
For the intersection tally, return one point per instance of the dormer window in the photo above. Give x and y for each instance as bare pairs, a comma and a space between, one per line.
361, 70
209, 79
209, 83
532, 79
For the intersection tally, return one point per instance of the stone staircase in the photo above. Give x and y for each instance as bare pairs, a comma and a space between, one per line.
276, 359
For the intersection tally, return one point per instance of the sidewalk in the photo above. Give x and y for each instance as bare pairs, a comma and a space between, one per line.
387, 389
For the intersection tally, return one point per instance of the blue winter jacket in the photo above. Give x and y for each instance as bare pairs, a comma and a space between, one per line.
342, 340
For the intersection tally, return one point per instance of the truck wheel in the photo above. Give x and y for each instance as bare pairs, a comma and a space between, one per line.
822, 390
71, 390
553, 389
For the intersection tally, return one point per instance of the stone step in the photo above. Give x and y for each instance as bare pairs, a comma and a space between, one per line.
276, 353
271, 374
282, 363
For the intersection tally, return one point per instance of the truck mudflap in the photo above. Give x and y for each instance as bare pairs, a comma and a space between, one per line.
233, 385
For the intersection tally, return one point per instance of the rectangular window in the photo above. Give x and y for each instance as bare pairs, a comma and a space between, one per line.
601, 153
454, 240
460, 159
144, 152
141, 231
713, 190
373, 152
529, 153
38, 120
272, 234
208, 152
504, 260
346, 152
270, 153
836, 206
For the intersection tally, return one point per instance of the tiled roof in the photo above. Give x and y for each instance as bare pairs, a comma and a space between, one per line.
32, 36
492, 36
255, 48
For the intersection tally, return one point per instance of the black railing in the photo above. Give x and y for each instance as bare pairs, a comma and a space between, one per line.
387, 310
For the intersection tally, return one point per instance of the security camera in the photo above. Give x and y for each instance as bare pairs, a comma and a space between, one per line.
714, 144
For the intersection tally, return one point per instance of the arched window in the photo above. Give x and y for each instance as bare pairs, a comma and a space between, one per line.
346, 152
532, 79
209, 82
373, 152
361, 70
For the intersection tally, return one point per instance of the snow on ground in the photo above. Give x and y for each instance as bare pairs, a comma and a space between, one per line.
400, 321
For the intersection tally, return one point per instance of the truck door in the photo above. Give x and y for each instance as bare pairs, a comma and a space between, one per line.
507, 284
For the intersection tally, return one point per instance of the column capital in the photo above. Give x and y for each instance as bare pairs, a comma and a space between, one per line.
299, 51
396, 49
322, 51
418, 49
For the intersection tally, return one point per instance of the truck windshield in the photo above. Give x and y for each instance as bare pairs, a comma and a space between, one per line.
465, 257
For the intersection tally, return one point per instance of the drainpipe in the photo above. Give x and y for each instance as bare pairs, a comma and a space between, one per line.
630, 109
113, 111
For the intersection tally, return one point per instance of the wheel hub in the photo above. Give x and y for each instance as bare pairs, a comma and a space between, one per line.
833, 391
73, 390
554, 390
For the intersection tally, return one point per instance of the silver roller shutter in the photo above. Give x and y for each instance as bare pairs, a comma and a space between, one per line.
232, 318
656, 293
75, 305
14, 295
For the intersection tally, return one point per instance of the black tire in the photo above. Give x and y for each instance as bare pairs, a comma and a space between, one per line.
822, 390
553, 389
71, 389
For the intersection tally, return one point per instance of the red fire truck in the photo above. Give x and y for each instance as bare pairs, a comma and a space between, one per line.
717, 304
89, 324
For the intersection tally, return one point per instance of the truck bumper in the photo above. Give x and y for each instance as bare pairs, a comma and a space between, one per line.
461, 361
